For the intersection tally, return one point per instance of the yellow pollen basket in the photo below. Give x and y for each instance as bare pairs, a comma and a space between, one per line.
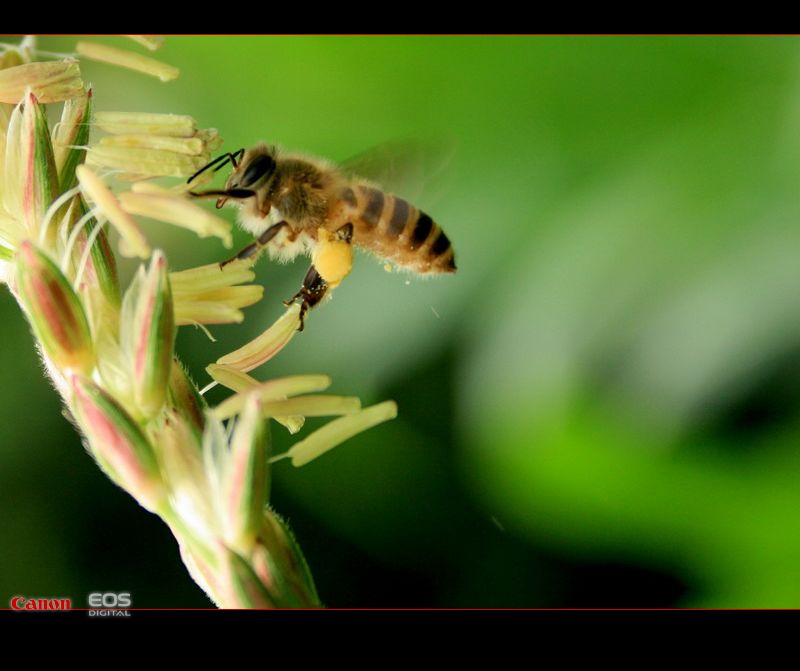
333, 258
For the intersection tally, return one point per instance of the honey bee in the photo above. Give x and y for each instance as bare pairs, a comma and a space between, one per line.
294, 204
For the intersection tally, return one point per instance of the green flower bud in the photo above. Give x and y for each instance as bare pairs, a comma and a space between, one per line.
117, 442
148, 335
244, 588
246, 478
184, 397
70, 136
54, 311
32, 184
285, 547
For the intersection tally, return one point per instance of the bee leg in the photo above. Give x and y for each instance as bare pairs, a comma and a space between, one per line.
345, 233
255, 247
312, 292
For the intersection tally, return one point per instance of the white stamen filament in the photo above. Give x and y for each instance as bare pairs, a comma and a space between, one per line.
57, 203
73, 236
86, 252
208, 387
205, 330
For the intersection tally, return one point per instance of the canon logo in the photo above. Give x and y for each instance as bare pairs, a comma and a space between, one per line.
37, 603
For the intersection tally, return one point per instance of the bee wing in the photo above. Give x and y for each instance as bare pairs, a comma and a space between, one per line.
408, 168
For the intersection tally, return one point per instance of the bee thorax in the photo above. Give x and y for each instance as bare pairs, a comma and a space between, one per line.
251, 220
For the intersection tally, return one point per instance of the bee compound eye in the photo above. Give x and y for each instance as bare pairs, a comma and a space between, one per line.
260, 167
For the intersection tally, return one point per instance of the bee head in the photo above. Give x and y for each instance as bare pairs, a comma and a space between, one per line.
254, 171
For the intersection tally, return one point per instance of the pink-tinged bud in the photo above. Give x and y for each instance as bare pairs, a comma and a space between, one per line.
185, 398
70, 137
98, 283
104, 266
286, 548
117, 442
282, 574
54, 311
38, 177
246, 478
281, 567
243, 588
148, 334
201, 572
183, 471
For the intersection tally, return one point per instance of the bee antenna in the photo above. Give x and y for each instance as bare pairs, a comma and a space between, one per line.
224, 193
219, 162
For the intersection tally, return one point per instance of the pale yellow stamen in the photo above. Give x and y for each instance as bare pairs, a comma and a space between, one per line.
197, 313
151, 187
207, 294
151, 42
5, 117
127, 59
11, 232
145, 162
267, 345
50, 81
65, 131
179, 212
191, 146
10, 58
12, 175
133, 242
233, 379
337, 431
210, 277
313, 406
292, 422
178, 189
237, 297
135, 123
238, 381
273, 390
211, 138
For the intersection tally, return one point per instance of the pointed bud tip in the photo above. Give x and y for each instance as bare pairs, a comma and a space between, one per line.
27, 252
159, 260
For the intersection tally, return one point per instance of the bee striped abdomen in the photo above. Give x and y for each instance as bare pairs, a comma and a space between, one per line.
395, 230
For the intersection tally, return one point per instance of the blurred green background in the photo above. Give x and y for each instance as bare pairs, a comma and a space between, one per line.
601, 408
